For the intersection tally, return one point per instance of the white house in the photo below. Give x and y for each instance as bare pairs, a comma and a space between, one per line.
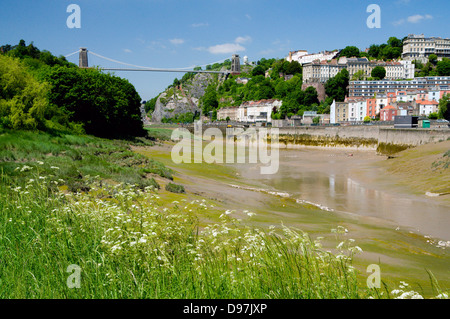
357, 110
303, 57
333, 112
382, 101
434, 95
257, 111
409, 69
427, 107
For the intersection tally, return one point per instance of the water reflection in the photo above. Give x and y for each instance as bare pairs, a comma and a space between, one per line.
325, 180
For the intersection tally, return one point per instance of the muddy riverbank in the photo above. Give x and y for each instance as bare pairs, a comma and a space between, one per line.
317, 190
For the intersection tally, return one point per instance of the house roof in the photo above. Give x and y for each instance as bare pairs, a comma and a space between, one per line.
425, 102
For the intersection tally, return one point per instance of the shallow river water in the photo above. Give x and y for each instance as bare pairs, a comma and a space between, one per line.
345, 181
405, 233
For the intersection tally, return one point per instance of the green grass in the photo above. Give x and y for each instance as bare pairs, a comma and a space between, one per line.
73, 159
159, 133
129, 245
128, 242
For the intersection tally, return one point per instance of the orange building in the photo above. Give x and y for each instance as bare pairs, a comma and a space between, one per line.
391, 97
371, 108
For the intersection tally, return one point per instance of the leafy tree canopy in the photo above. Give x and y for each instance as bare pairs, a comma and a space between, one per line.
378, 72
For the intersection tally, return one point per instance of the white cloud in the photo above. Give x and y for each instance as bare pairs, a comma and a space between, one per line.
226, 48
127, 50
243, 39
399, 22
176, 41
248, 16
199, 25
230, 47
413, 19
156, 45
417, 18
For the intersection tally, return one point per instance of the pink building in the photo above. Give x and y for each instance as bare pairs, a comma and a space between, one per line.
388, 113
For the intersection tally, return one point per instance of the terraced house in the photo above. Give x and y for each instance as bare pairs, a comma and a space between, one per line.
369, 88
419, 47
321, 71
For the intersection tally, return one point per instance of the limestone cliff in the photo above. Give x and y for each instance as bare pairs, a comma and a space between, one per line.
183, 98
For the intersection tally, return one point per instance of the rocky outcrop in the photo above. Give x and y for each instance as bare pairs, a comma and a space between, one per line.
198, 85
184, 99
169, 106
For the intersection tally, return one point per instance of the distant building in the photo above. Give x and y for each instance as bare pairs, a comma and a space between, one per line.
407, 108
381, 102
369, 88
309, 116
357, 110
242, 80
302, 56
388, 113
333, 119
371, 108
419, 47
341, 112
257, 111
322, 71
230, 112
427, 107
235, 64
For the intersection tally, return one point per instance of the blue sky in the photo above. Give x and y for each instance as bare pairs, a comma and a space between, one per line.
183, 33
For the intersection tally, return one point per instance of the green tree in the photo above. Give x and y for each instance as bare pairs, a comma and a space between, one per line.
378, 72
104, 104
358, 76
350, 51
374, 50
443, 67
310, 96
432, 59
444, 107
433, 116
336, 87
294, 68
258, 70
395, 42
150, 105
23, 100
209, 100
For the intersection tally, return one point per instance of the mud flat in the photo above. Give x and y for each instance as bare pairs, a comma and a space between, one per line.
317, 190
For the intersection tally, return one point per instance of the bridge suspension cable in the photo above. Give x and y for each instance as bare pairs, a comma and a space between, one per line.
70, 54
145, 68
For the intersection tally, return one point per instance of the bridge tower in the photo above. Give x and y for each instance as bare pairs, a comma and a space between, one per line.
83, 58
235, 64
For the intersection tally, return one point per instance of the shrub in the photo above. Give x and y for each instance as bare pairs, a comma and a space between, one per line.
175, 188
